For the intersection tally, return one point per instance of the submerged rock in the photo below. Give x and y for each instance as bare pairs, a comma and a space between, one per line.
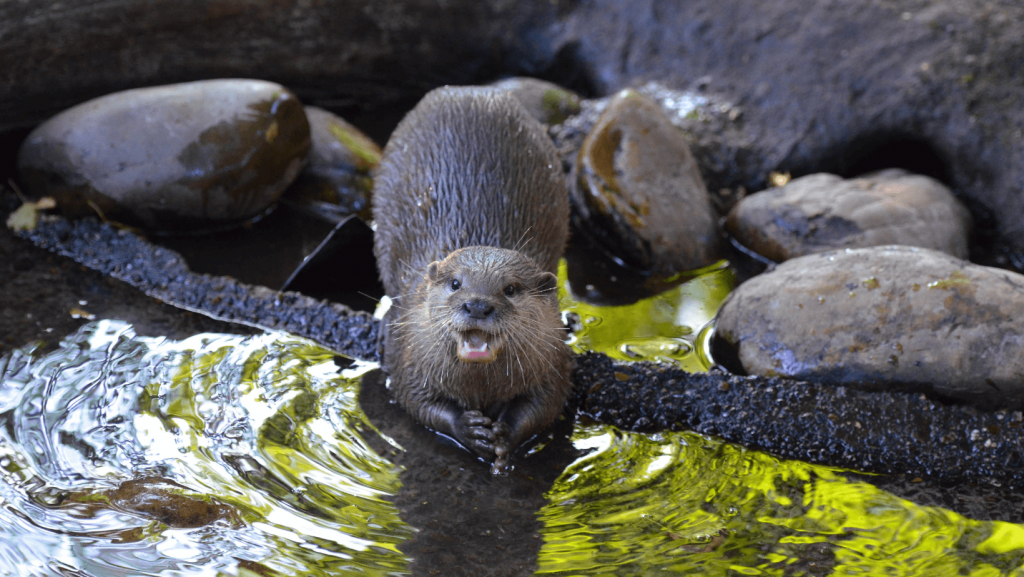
637, 190
337, 179
200, 155
822, 212
548, 103
892, 318
158, 499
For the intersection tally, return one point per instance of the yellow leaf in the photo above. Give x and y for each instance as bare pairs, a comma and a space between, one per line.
25, 218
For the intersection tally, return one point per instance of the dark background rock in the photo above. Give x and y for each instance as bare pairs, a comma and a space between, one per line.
844, 87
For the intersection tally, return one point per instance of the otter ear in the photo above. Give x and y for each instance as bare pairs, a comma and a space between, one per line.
432, 271
546, 282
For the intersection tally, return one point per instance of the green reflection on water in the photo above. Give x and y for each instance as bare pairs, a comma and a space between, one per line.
673, 326
683, 503
264, 424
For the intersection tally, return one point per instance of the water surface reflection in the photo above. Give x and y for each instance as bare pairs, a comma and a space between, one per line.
264, 426
269, 455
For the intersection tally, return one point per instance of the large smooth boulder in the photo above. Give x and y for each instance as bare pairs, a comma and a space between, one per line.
891, 318
193, 156
821, 212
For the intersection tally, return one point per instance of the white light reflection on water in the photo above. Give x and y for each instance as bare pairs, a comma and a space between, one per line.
262, 426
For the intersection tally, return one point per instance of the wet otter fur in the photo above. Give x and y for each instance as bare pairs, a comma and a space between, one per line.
472, 215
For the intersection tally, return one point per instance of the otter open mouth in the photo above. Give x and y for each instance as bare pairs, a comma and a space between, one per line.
478, 347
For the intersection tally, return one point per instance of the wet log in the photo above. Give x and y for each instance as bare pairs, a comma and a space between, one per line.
878, 432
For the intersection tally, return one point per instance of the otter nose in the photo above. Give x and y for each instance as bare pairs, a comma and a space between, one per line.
478, 309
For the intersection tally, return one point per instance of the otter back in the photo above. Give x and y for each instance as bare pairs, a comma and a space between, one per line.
468, 166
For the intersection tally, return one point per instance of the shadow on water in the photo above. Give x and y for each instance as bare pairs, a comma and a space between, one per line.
470, 522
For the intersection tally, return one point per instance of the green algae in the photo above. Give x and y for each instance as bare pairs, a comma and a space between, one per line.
365, 150
956, 279
558, 105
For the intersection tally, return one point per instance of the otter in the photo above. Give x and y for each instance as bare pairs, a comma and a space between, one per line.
472, 215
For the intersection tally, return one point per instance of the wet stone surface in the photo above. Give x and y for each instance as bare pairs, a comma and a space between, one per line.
337, 179
891, 318
713, 129
548, 103
161, 500
822, 211
199, 155
637, 188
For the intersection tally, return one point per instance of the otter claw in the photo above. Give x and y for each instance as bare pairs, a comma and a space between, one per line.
500, 466
475, 419
481, 433
501, 429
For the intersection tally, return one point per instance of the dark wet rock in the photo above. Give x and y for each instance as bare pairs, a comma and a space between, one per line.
547, 102
337, 180
637, 191
822, 212
199, 155
891, 318
710, 124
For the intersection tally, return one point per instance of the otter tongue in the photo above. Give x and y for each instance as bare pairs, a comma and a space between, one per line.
474, 349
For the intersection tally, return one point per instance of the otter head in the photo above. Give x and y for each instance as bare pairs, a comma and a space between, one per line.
486, 296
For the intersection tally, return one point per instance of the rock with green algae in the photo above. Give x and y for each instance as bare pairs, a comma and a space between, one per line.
338, 178
547, 102
637, 190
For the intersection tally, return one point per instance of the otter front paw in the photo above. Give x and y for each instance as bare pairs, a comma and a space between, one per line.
476, 433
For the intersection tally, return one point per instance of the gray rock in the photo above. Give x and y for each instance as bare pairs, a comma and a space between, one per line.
548, 103
637, 190
337, 179
821, 212
892, 318
200, 155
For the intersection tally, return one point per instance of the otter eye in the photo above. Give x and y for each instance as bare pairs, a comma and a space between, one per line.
456, 284
510, 290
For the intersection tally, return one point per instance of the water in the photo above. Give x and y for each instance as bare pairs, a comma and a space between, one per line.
251, 457
264, 426
674, 326
683, 503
